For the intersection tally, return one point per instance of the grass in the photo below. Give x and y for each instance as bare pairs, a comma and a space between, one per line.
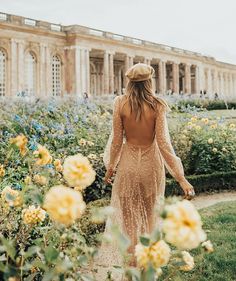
220, 221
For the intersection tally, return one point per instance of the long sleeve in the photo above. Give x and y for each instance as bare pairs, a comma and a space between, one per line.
117, 135
172, 162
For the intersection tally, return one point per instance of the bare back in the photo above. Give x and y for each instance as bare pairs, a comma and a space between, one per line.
139, 132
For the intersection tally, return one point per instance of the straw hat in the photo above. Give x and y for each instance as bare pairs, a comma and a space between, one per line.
140, 72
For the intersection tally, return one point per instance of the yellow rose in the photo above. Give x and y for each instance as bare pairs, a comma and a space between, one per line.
2, 171
43, 156
158, 254
141, 253
11, 197
78, 171
189, 261
40, 179
20, 141
182, 225
64, 205
58, 166
33, 215
207, 245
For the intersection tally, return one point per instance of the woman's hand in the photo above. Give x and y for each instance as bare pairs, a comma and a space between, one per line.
108, 175
188, 189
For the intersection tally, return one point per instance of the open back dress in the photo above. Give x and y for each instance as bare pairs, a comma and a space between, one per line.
139, 151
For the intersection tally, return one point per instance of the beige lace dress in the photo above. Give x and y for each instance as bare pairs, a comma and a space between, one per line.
139, 151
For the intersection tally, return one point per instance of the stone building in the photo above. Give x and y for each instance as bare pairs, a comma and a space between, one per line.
43, 59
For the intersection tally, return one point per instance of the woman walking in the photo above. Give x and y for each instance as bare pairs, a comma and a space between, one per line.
139, 149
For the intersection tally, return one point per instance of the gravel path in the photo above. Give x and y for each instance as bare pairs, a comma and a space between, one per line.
206, 200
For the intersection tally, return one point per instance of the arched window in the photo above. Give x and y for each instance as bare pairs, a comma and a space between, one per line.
2, 73
30, 74
56, 76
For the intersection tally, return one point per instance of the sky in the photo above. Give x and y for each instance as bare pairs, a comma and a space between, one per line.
204, 26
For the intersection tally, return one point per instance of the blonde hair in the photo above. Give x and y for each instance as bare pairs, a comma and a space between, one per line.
139, 93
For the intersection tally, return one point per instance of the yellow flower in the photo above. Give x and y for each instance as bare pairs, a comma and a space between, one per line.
210, 141
33, 215
182, 225
141, 253
214, 149
2, 171
82, 142
158, 254
205, 120
232, 126
190, 124
189, 261
194, 119
78, 171
58, 166
40, 179
20, 141
214, 126
207, 245
64, 205
224, 149
43, 156
11, 196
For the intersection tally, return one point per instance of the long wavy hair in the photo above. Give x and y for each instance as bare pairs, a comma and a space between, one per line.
139, 93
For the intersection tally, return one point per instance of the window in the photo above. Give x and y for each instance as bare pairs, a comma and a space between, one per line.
2, 73
56, 76
30, 74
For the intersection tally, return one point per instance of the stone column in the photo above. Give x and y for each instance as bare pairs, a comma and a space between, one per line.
13, 75
82, 71
221, 87
42, 69
162, 77
20, 64
106, 73
175, 70
187, 70
209, 83
111, 74
129, 62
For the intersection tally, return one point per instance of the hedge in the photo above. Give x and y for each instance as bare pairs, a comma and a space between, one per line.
203, 183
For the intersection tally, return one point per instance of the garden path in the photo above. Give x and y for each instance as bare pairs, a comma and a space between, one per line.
205, 200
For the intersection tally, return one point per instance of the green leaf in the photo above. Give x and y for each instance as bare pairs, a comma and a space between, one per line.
51, 254
9, 247
144, 240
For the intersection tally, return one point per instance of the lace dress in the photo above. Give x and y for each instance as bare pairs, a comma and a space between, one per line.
139, 185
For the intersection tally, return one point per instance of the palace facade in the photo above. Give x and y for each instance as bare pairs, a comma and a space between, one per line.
42, 59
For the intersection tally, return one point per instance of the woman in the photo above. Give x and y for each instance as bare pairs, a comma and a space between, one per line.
139, 150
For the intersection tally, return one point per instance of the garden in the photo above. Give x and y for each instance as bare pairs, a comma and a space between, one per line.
54, 201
